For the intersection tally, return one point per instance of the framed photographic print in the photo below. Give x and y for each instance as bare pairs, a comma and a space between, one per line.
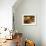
29, 20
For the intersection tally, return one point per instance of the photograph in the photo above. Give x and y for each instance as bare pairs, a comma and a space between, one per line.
28, 20
22, 22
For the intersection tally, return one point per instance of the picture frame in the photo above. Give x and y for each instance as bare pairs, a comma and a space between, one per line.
28, 20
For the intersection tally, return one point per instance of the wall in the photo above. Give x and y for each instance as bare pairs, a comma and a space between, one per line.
43, 22
6, 13
28, 7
